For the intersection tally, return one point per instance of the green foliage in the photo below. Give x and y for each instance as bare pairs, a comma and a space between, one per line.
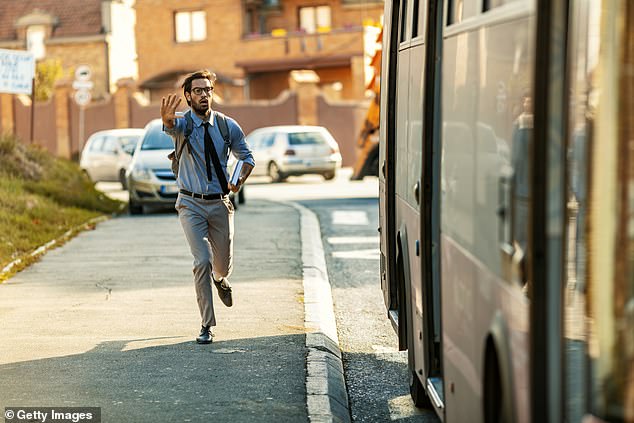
42, 197
47, 72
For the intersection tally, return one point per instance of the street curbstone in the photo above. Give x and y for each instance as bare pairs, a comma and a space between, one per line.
326, 394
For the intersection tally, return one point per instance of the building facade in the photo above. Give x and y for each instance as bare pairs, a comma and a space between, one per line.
253, 45
95, 33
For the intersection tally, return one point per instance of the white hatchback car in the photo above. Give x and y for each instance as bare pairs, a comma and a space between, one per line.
293, 150
107, 154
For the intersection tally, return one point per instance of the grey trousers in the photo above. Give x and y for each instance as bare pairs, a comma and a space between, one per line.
208, 227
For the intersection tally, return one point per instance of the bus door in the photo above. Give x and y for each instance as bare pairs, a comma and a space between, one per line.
387, 151
407, 181
416, 111
432, 16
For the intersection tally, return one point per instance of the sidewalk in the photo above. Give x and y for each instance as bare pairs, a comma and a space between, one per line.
109, 321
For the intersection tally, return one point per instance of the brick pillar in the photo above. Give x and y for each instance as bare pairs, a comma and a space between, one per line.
62, 117
357, 67
7, 114
125, 88
304, 83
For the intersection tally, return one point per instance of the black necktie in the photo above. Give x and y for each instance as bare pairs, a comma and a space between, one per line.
210, 153
208, 146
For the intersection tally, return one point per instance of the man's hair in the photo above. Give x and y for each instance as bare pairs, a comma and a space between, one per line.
201, 74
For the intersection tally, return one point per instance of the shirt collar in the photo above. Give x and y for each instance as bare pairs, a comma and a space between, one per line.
198, 121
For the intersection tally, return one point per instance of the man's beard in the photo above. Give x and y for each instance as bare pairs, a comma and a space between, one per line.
202, 110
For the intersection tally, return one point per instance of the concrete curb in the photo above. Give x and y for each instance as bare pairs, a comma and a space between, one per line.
10, 268
326, 395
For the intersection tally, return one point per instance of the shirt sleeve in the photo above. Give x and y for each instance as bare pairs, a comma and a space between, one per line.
177, 130
239, 147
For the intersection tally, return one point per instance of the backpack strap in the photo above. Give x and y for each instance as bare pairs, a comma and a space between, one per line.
189, 127
223, 127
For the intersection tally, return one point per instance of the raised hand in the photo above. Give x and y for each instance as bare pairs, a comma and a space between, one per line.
169, 105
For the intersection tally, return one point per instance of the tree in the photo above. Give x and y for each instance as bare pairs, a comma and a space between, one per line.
47, 72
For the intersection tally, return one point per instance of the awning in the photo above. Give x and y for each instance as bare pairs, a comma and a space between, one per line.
295, 63
173, 79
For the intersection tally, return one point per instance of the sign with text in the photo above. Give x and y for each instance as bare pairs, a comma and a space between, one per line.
17, 70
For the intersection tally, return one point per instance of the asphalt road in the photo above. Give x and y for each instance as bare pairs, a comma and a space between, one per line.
375, 371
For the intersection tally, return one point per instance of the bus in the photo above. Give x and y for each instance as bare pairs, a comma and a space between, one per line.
506, 206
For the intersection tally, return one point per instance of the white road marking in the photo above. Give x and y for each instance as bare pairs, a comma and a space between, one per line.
371, 254
349, 217
336, 240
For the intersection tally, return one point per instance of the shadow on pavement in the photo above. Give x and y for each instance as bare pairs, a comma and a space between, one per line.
257, 379
380, 391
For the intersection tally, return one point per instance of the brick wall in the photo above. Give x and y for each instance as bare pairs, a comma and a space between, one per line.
156, 42
57, 121
91, 53
44, 123
344, 120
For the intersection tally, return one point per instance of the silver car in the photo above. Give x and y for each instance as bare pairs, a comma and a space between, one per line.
149, 176
107, 154
150, 179
293, 150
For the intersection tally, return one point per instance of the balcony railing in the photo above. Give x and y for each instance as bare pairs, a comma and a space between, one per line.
281, 43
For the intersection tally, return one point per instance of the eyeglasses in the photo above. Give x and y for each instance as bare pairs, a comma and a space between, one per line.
199, 90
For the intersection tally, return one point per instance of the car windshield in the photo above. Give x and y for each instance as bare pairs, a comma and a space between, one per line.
156, 139
306, 138
128, 140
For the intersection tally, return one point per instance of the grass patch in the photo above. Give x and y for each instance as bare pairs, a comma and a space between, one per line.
41, 198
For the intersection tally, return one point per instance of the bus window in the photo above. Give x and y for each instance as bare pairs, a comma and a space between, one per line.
415, 19
403, 21
454, 11
418, 17
490, 4
459, 10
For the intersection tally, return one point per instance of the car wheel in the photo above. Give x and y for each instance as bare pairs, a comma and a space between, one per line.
275, 174
134, 208
329, 176
122, 179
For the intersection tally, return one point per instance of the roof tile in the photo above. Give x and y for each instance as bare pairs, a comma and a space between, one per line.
75, 17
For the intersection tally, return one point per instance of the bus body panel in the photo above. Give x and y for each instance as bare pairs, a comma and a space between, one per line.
484, 82
386, 168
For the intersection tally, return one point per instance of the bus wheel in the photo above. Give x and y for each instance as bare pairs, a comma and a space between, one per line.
418, 393
493, 394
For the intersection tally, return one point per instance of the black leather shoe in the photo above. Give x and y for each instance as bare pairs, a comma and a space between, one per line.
206, 336
224, 291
